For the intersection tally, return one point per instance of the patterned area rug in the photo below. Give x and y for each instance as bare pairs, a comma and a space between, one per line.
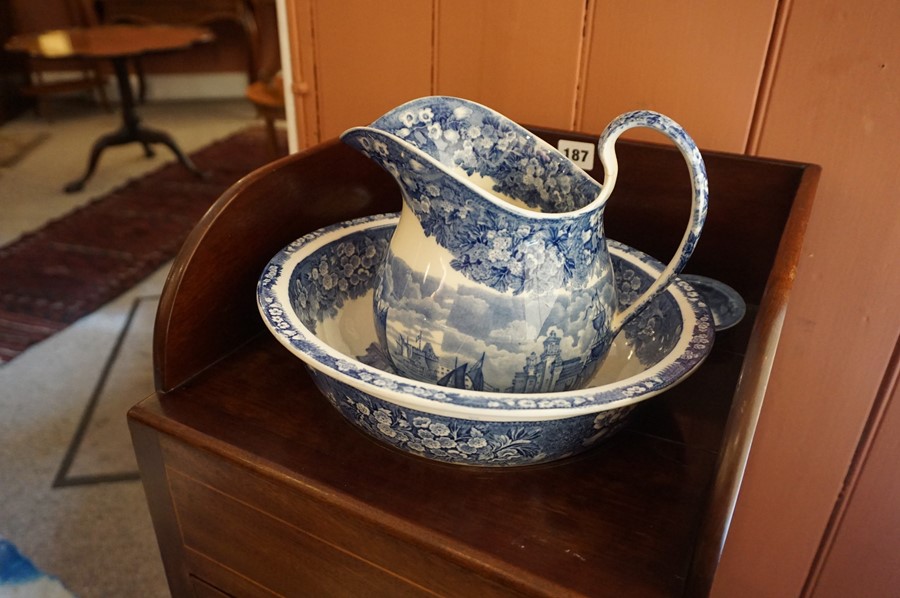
55, 275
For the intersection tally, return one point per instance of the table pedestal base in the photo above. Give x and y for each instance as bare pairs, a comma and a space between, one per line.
131, 131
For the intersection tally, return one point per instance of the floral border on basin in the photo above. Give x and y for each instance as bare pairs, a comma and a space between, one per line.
353, 370
470, 442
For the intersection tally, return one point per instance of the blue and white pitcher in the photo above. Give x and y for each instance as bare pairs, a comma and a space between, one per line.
498, 276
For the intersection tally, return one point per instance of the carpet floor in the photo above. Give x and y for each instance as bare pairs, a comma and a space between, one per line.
70, 496
14, 148
57, 274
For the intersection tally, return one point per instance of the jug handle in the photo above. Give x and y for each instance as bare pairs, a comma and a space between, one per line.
699, 194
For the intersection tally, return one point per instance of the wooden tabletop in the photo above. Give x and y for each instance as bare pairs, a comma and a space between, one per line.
108, 41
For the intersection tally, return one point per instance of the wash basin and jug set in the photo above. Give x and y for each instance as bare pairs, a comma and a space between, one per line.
491, 322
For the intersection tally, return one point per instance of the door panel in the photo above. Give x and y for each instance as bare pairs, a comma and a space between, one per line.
699, 62
370, 56
518, 57
833, 102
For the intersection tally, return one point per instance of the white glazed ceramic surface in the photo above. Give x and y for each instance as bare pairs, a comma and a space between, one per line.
315, 297
500, 247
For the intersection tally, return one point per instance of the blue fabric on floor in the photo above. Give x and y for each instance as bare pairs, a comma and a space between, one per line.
15, 568
19, 577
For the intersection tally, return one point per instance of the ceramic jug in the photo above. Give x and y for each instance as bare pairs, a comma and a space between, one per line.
498, 276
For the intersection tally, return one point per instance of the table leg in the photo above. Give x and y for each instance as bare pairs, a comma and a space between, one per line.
130, 131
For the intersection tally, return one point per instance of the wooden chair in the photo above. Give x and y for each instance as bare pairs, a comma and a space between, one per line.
266, 88
268, 98
93, 77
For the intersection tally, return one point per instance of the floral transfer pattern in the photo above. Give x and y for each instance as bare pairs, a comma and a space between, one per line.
425, 145
657, 327
518, 218
726, 304
477, 140
502, 250
693, 158
335, 274
456, 440
277, 313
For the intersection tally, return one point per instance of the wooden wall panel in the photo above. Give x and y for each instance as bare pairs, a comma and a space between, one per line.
699, 62
864, 557
833, 101
518, 57
369, 57
299, 75
572, 64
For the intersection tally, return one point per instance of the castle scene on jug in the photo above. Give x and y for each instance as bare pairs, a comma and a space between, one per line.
479, 345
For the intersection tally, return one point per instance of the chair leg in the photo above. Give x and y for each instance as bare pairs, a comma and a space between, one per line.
100, 87
142, 81
40, 108
273, 137
104, 101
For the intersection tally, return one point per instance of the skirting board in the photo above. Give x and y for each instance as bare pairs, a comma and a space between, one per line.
194, 86
177, 86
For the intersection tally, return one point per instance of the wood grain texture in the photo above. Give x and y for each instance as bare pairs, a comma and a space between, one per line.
750, 392
833, 102
234, 21
204, 590
278, 550
616, 521
207, 307
255, 433
323, 518
518, 57
147, 449
227, 581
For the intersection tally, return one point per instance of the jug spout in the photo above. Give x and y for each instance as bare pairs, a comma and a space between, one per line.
492, 154
479, 233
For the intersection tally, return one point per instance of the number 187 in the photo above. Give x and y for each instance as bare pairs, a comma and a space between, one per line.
576, 155
579, 152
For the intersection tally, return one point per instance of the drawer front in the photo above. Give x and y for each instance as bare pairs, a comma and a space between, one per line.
318, 536
204, 590
275, 555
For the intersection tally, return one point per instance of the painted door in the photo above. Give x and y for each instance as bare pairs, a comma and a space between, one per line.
571, 64
831, 98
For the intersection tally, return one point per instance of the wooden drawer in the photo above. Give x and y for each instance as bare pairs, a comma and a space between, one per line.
205, 590
303, 544
288, 559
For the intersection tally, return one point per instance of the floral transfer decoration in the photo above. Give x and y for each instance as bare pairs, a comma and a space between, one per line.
333, 275
303, 341
481, 142
456, 440
500, 248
